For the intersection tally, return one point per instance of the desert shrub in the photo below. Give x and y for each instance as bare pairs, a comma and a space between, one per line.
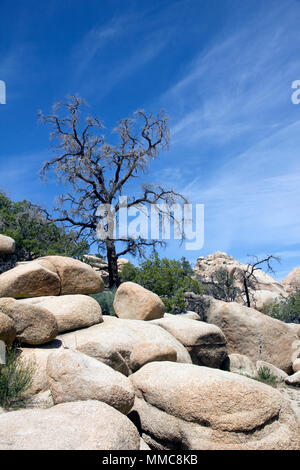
169, 279
15, 379
222, 286
105, 300
198, 303
265, 375
34, 236
287, 310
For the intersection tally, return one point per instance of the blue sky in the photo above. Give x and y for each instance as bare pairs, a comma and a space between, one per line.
221, 69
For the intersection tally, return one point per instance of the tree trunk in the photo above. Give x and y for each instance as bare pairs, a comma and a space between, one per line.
247, 292
112, 260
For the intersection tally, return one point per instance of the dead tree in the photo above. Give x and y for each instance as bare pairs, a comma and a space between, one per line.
249, 280
98, 173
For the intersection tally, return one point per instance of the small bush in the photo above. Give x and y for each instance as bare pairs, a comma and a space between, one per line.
169, 279
286, 310
265, 375
105, 300
222, 286
15, 379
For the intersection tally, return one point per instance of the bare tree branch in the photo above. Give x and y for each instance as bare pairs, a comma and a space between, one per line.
97, 172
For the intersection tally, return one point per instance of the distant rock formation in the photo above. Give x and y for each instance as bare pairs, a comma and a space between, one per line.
291, 282
267, 288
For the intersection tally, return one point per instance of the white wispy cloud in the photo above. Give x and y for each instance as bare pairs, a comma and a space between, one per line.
110, 53
15, 68
235, 126
18, 171
255, 198
95, 40
230, 89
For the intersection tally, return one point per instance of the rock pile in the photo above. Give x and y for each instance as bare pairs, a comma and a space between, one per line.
34, 324
192, 407
253, 334
44, 297
206, 343
267, 288
50, 275
144, 379
74, 376
101, 266
70, 311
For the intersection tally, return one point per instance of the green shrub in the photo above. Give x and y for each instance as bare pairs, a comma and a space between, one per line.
105, 300
222, 286
169, 279
265, 375
15, 379
34, 236
287, 310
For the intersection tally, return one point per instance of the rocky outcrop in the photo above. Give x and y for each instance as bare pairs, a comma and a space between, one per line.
240, 364
254, 334
73, 376
71, 311
267, 289
133, 301
75, 277
7, 329
99, 369
38, 356
122, 336
262, 298
104, 354
89, 425
34, 324
206, 343
205, 267
123, 345
48, 276
192, 407
7, 245
33, 279
293, 379
143, 353
291, 283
